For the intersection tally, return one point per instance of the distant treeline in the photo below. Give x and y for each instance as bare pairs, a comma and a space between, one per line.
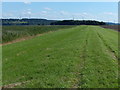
49, 22
26, 21
78, 22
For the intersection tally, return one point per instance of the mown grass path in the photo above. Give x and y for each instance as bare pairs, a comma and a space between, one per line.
80, 57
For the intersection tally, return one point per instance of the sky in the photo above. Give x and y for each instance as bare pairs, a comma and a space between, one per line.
102, 11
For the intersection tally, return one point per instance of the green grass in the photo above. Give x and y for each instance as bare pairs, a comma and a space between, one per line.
80, 57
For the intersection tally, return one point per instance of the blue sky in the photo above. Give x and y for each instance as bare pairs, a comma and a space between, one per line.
103, 11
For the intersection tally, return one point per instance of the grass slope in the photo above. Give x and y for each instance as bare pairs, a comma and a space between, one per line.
80, 57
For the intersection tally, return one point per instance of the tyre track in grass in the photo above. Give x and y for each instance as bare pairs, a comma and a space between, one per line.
100, 67
83, 56
109, 49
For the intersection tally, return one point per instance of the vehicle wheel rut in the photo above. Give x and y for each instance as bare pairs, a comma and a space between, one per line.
109, 49
83, 56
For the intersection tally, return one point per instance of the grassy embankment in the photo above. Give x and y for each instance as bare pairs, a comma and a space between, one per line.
10, 33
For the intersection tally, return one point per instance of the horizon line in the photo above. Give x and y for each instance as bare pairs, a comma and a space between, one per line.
62, 19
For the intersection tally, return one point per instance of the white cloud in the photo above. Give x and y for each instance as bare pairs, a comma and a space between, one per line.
5, 15
64, 13
107, 16
29, 12
109, 13
29, 9
61, 15
43, 12
46, 8
26, 13
27, 2
84, 13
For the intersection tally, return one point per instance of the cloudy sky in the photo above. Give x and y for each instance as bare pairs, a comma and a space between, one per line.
103, 11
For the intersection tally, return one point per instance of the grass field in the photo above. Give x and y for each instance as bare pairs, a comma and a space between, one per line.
79, 57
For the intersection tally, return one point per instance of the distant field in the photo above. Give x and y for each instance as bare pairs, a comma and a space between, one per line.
114, 27
10, 33
78, 57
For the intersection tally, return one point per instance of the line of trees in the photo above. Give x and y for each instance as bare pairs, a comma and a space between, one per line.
26, 21
49, 22
78, 22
